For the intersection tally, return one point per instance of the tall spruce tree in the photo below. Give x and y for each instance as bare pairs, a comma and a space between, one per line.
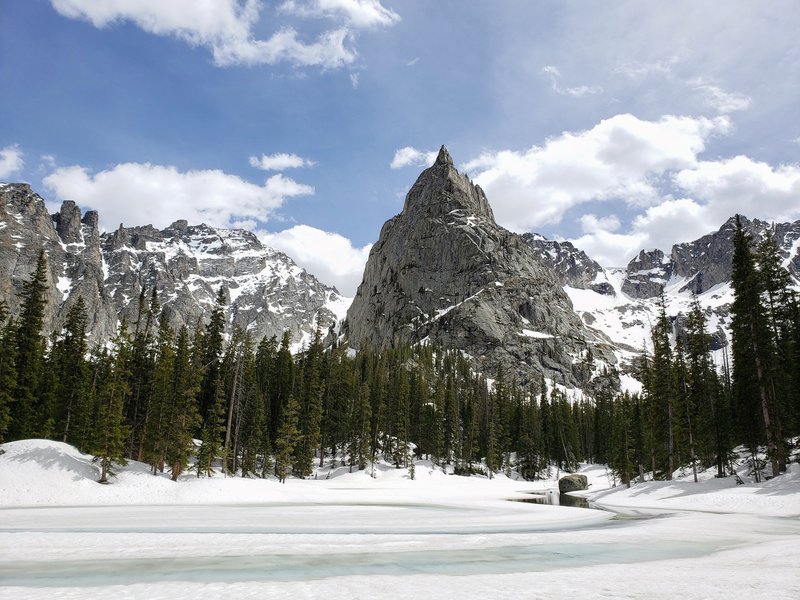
752, 354
26, 410
287, 440
111, 391
7, 370
72, 370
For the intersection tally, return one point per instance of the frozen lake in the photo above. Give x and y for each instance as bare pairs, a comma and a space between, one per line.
382, 535
92, 550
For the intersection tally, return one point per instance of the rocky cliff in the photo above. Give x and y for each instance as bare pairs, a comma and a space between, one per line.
267, 292
444, 272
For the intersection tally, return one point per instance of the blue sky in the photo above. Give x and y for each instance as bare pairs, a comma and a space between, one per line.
618, 125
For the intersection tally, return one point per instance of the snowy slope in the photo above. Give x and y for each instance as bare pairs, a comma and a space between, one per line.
64, 536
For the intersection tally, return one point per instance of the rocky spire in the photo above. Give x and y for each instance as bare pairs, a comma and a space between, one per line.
68, 223
441, 189
444, 157
444, 272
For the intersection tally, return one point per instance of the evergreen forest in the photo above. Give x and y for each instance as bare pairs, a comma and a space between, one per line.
151, 393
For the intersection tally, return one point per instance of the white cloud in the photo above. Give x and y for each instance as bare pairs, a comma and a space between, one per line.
354, 79
718, 189
356, 13
223, 26
741, 184
139, 193
10, 161
411, 157
592, 223
637, 69
660, 226
280, 162
577, 92
332, 258
719, 100
622, 157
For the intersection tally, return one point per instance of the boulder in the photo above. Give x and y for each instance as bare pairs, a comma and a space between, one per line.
573, 483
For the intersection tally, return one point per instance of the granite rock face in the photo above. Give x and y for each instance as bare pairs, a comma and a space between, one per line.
444, 272
707, 261
268, 293
572, 265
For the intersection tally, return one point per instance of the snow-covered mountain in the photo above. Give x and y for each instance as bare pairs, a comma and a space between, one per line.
623, 302
613, 308
267, 292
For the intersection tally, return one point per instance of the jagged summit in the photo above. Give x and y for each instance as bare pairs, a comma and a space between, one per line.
444, 272
267, 292
444, 157
441, 190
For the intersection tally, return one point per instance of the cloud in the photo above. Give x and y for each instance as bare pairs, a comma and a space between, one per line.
224, 26
138, 193
354, 79
651, 170
329, 256
719, 100
10, 161
636, 69
660, 226
577, 92
356, 13
280, 162
620, 158
741, 184
718, 189
411, 157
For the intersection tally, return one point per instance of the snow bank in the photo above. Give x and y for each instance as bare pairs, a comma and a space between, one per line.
779, 496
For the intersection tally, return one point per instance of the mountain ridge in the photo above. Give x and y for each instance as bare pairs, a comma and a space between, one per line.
267, 292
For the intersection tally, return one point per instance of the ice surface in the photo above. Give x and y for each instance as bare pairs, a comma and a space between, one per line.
354, 536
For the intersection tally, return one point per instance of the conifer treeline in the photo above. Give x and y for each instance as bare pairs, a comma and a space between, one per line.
690, 412
258, 411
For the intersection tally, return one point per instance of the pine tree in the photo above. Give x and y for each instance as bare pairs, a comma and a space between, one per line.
661, 395
7, 370
752, 354
184, 416
212, 431
212, 349
108, 443
162, 398
141, 368
26, 410
288, 437
72, 369
311, 408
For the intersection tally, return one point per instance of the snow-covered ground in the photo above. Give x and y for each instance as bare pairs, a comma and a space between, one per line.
356, 536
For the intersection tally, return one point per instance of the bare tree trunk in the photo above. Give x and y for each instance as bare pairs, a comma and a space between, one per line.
230, 416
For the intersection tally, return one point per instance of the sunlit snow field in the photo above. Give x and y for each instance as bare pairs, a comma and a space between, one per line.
357, 536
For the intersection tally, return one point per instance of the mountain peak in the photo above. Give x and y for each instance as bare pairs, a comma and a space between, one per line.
444, 157
441, 189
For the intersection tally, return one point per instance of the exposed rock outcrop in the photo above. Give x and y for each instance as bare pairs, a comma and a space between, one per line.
444, 272
268, 292
573, 266
706, 262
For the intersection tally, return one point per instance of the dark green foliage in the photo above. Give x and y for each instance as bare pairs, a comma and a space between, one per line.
7, 370
754, 402
110, 392
287, 440
27, 408
259, 410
